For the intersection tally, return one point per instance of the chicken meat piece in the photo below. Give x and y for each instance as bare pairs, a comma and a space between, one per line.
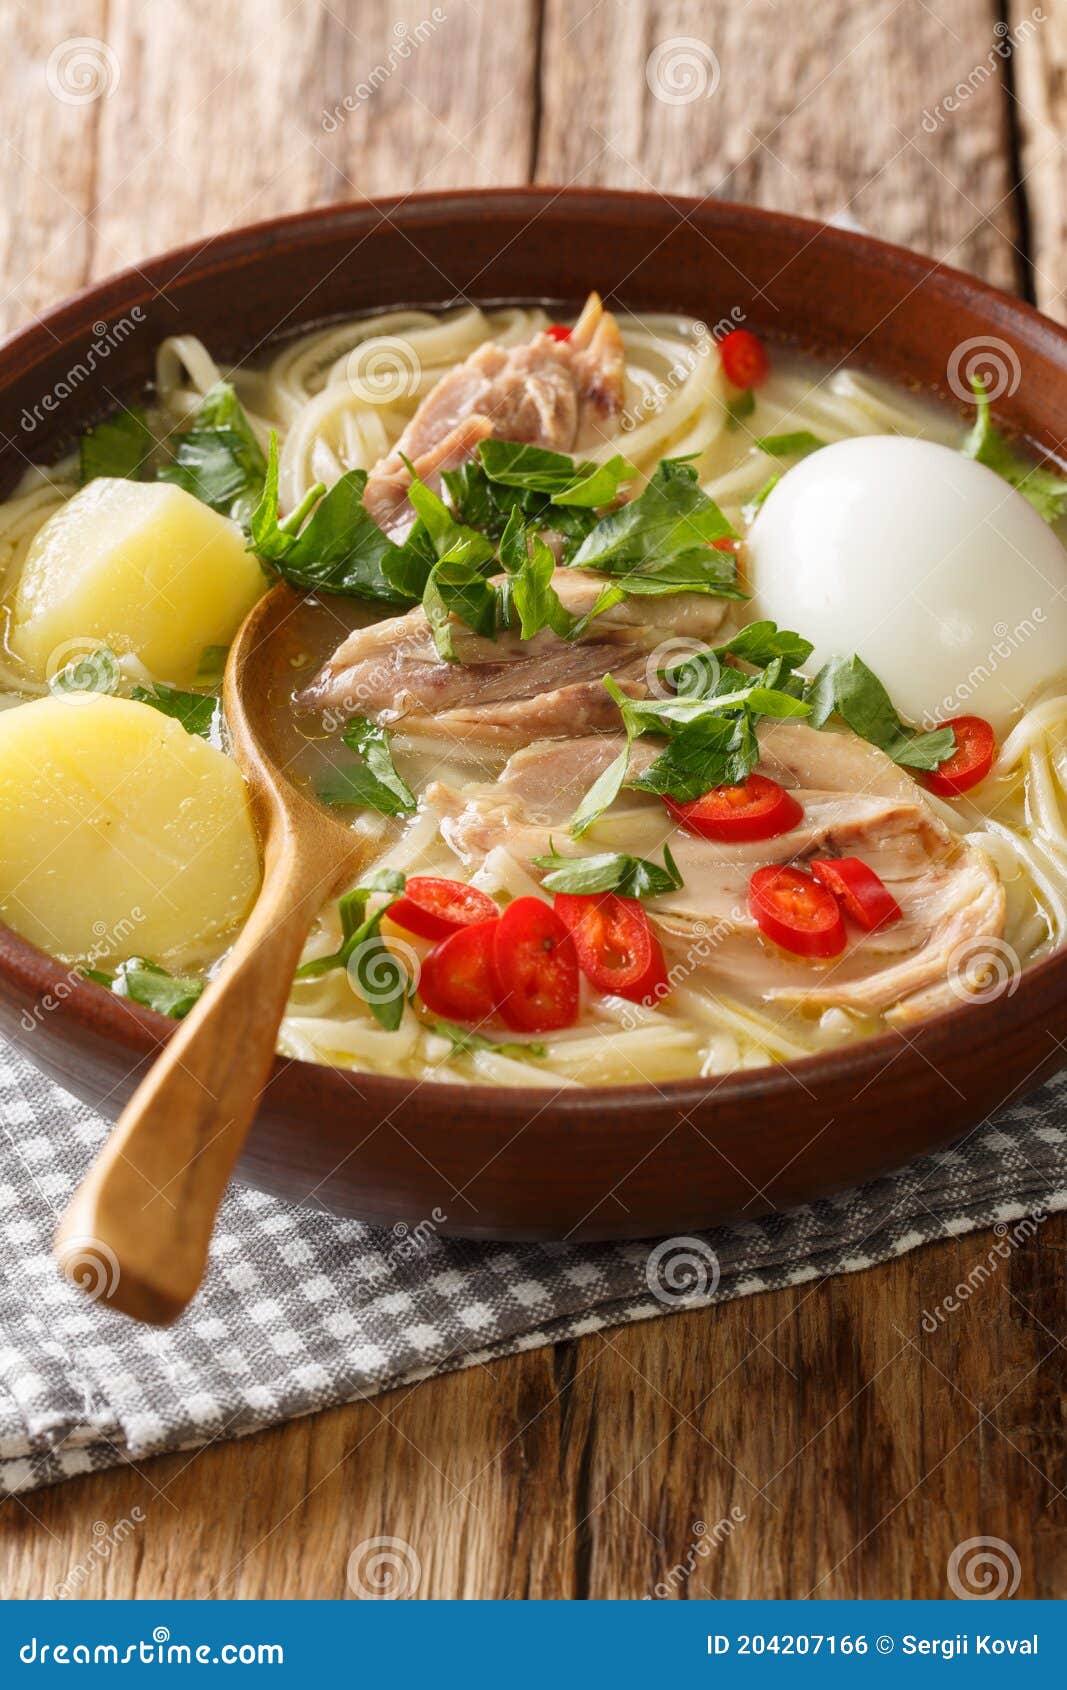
508, 691
856, 802
564, 395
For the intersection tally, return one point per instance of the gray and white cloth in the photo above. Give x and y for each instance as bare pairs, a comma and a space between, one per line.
302, 1311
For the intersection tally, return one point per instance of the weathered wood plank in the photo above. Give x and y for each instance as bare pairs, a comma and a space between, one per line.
47, 153
826, 119
1038, 38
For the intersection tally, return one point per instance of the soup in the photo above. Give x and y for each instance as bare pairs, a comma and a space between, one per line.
700, 709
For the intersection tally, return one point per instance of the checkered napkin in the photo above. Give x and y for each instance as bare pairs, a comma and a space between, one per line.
302, 1311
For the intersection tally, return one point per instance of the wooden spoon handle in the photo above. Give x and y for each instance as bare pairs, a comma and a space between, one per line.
137, 1230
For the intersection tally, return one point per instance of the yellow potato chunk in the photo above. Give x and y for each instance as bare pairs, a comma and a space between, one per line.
120, 834
140, 566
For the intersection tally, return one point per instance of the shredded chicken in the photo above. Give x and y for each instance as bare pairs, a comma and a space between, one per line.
856, 802
564, 395
508, 691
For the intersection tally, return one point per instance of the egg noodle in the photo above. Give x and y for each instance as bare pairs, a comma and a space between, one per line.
338, 398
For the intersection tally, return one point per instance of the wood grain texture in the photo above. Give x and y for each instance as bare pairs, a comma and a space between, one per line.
823, 116
1038, 95
858, 1447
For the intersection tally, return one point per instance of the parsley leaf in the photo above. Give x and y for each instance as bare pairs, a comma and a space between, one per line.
338, 548
148, 984
466, 1041
1044, 489
218, 458
212, 665
512, 463
797, 445
194, 710
708, 751
376, 973
97, 671
740, 406
847, 686
610, 871
373, 784
531, 594
118, 447
604, 790
665, 536
757, 501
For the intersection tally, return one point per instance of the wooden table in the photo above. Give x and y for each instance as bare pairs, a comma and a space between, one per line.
858, 1449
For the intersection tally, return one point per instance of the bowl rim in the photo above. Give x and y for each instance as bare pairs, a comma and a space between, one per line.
109, 1018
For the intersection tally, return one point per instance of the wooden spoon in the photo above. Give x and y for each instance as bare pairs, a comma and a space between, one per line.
137, 1230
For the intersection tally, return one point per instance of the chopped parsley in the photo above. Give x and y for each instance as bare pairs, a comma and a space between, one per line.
610, 871
1043, 488
375, 972
373, 783
196, 711
119, 447
97, 671
218, 458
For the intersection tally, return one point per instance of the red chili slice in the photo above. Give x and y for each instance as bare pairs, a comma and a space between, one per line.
971, 761
457, 979
536, 968
617, 949
558, 331
865, 896
756, 809
744, 358
796, 912
433, 908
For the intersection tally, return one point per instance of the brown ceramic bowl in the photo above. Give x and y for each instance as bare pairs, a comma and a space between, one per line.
603, 1163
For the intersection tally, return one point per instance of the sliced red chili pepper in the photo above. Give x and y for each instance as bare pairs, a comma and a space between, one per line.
796, 912
536, 968
617, 949
726, 544
971, 761
744, 358
457, 979
558, 331
758, 808
865, 896
433, 908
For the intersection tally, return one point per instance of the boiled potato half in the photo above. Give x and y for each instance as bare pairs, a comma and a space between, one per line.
120, 833
140, 566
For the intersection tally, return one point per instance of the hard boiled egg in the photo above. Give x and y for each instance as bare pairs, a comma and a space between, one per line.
938, 573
